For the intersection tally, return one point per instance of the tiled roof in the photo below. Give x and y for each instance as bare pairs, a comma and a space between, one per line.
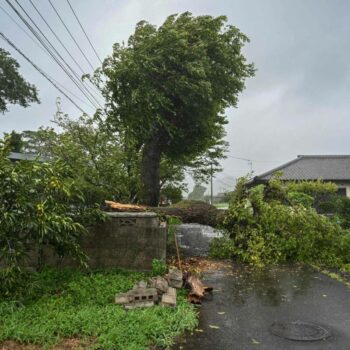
26, 156
312, 167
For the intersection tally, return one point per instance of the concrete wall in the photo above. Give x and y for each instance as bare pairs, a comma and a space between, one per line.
129, 240
126, 240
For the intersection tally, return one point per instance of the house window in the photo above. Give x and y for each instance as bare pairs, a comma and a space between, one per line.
341, 191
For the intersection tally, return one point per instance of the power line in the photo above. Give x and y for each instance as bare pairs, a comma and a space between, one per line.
254, 160
75, 80
82, 28
40, 47
57, 37
37, 36
71, 35
59, 55
40, 71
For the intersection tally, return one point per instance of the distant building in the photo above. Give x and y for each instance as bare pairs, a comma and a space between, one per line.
16, 156
332, 168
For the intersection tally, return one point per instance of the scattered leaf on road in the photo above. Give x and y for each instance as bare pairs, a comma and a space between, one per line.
221, 313
214, 327
255, 342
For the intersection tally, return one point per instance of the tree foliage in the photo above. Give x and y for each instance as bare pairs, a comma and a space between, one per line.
276, 223
14, 89
168, 88
40, 206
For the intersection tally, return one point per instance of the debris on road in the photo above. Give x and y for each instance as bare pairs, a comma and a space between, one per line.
197, 289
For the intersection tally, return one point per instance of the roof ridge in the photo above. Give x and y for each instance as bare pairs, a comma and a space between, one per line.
323, 155
278, 168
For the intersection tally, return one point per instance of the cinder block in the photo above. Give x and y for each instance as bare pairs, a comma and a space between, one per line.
122, 298
160, 283
169, 298
139, 304
175, 278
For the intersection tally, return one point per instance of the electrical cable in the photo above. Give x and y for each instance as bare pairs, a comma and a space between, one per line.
82, 28
71, 35
76, 80
57, 53
40, 71
59, 40
41, 48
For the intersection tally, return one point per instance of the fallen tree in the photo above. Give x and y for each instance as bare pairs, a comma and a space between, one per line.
194, 212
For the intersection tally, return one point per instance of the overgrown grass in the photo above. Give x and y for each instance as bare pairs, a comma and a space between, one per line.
74, 304
221, 205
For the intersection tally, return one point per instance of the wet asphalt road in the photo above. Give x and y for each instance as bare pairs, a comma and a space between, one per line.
245, 303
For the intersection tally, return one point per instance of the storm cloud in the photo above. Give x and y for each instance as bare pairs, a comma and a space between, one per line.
298, 102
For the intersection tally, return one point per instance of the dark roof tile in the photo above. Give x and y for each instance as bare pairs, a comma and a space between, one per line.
313, 167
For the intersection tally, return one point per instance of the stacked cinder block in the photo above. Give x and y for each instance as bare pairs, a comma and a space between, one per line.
148, 294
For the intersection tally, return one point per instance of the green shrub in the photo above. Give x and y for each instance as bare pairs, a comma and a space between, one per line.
221, 247
276, 223
339, 207
40, 205
158, 267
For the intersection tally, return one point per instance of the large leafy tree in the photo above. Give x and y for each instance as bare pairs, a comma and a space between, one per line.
168, 88
13, 88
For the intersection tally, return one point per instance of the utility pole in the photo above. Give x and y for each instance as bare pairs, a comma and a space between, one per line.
250, 163
211, 183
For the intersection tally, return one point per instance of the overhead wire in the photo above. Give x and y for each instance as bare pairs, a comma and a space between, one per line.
43, 50
82, 28
71, 35
49, 48
59, 55
40, 71
42, 42
253, 160
58, 39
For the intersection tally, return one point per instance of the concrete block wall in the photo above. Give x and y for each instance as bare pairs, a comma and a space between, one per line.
125, 240
128, 240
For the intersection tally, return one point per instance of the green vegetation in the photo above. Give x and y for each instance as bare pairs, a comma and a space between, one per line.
40, 206
158, 267
14, 89
277, 223
221, 205
171, 99
69, 303
339, 209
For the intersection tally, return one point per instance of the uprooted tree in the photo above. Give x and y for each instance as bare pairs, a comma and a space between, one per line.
168, 88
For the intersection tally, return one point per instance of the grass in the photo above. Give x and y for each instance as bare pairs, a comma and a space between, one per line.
221, 205
65, 304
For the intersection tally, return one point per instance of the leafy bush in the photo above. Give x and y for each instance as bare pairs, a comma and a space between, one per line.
276, 223
221, 247
40, 206
339, 207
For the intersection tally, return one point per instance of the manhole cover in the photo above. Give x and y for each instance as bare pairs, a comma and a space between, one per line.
302, 331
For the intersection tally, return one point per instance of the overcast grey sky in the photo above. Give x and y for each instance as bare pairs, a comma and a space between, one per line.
298, 102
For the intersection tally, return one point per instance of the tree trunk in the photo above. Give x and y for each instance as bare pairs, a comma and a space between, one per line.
150, 168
